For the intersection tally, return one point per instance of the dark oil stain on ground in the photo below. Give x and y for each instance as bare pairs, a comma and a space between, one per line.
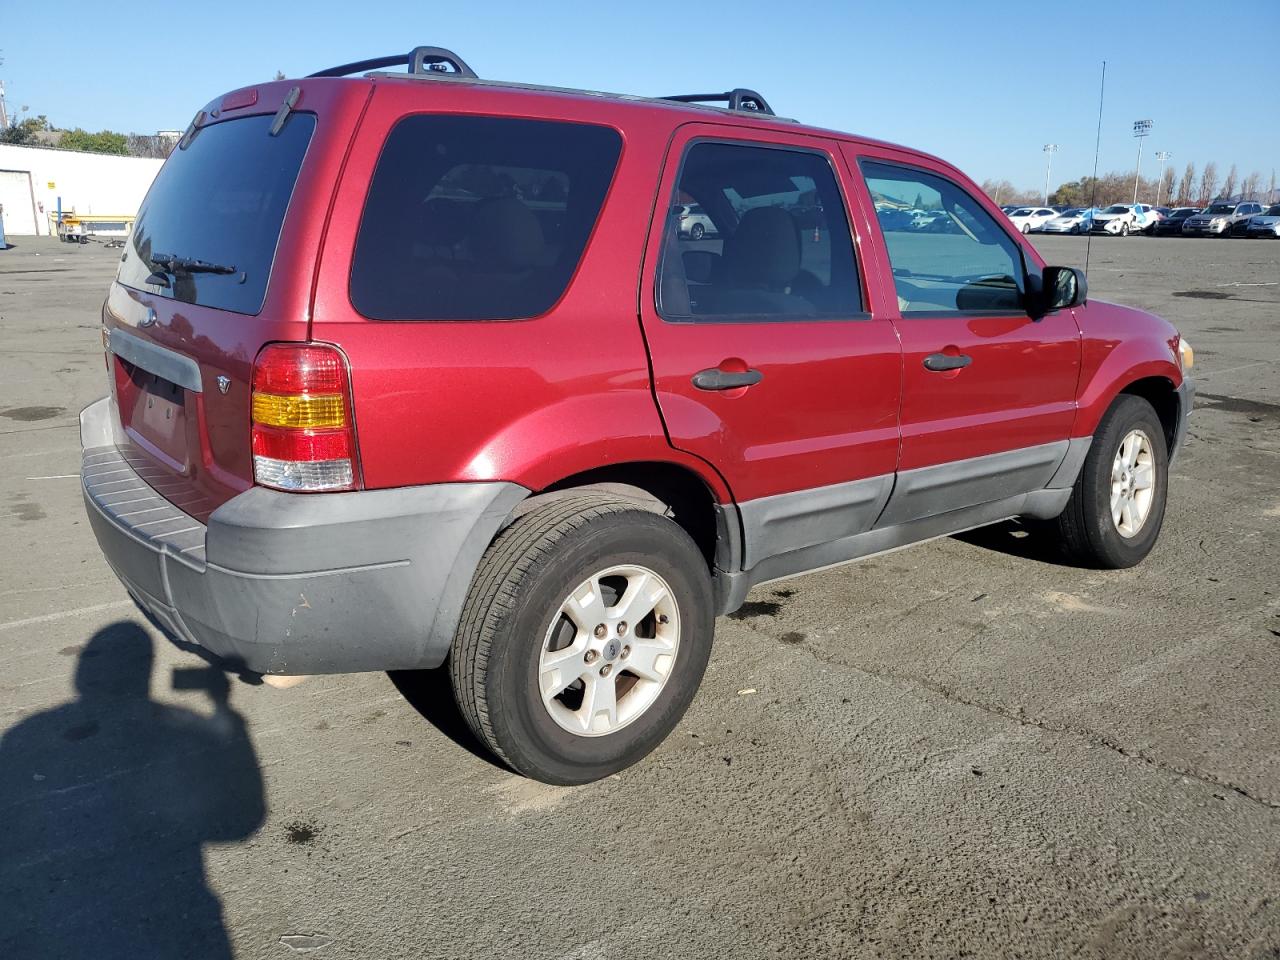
792, 637
1238, 405
785, 594
28, 511
29, 414
756, 608
72, 650
301, 832
1203, 294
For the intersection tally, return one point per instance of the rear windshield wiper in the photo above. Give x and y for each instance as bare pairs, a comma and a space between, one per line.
172, 263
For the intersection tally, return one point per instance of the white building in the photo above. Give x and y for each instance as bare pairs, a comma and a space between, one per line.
33, 178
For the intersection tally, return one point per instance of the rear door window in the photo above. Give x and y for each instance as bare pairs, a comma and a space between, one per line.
478, 218
782, 248
208, 229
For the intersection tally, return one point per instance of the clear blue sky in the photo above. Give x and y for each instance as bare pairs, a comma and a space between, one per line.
984, 85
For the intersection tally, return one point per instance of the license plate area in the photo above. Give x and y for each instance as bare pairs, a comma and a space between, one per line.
153, 412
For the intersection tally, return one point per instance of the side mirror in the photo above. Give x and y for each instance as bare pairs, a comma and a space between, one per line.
1063, 287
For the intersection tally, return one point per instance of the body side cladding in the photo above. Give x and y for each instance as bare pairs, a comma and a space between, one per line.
797, 533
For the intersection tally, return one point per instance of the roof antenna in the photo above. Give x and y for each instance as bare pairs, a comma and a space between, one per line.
1097, 143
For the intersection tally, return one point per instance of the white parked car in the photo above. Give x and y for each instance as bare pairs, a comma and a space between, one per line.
1069, 221
1122, 219
694, 222
1028, 219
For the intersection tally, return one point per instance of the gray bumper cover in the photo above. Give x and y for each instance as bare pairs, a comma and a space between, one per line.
1186, 399
295, 583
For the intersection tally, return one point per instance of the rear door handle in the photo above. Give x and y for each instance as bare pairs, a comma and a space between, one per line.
714, 378
938, 362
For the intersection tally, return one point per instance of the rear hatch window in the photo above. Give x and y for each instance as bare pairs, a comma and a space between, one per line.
478, 218
208, 229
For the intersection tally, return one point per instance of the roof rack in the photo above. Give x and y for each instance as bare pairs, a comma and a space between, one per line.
739, 98
444, 64
432, 61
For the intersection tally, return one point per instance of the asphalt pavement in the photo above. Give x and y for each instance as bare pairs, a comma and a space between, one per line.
961, 749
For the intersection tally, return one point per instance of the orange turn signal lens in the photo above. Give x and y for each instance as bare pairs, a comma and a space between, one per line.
304, 411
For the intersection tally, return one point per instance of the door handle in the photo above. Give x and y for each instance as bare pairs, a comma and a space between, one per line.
938, 362
713, 378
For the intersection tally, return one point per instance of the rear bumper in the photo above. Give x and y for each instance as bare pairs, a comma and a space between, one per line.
295, 583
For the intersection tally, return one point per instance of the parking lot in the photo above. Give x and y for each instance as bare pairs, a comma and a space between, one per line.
961, 749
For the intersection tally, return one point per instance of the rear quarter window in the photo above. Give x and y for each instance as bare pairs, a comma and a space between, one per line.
478, 218
221, 200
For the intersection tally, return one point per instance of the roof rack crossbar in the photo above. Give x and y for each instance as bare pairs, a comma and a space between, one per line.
740, 98
431, 61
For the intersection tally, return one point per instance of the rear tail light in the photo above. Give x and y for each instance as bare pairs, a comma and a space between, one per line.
303, 430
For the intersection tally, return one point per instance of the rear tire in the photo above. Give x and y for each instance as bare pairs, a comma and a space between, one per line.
1088, 527
697, 231
583, 558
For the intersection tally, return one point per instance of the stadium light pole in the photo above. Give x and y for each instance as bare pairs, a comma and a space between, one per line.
1141, 130
1162, 156
1050, 149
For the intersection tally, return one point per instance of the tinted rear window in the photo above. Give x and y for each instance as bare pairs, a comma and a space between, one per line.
478, 218
222, 200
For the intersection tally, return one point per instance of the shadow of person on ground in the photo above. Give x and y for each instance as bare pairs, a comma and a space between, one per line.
105, 803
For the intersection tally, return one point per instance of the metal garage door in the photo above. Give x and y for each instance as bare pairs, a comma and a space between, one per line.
15, 197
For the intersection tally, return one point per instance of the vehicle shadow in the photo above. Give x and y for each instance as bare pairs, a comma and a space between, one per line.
1026, 539
107, 801
430, 693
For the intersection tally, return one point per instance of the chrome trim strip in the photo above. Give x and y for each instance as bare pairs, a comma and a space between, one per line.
161, 361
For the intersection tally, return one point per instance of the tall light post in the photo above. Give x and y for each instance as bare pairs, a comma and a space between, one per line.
1049, 149
1141, 130
1162, 156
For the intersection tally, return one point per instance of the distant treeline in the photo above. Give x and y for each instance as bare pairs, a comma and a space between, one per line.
1192, 189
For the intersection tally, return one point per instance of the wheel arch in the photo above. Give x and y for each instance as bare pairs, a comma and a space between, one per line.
695, 502
1162, 394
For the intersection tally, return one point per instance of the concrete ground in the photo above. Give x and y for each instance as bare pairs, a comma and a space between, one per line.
962, 749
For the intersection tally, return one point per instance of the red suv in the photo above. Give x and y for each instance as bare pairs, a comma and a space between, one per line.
419, 369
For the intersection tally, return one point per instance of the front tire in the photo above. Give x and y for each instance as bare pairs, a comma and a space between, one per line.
583, 639
1117, 506
1124, 229
697, 231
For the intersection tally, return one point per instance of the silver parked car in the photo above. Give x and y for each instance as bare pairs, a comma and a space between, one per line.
1267, 224
1219, 218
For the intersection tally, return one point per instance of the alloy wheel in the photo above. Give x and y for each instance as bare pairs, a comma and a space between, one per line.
609, 651
1133, 483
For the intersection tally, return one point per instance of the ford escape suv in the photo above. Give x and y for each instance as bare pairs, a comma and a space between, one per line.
414, 370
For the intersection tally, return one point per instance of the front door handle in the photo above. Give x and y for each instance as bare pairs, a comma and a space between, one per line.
714, 378
938, 362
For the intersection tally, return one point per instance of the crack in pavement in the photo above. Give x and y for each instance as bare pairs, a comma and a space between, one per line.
1048, 726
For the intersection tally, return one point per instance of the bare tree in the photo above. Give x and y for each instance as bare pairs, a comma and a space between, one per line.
1229, 184
1166, 185
279, 75
1251, 186
147, 145
1271, 188
1208, 182
1186, 189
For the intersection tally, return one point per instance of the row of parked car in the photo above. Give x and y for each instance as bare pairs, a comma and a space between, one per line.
1222, 218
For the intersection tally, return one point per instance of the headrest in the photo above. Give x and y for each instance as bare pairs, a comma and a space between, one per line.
764, 252
505, 234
